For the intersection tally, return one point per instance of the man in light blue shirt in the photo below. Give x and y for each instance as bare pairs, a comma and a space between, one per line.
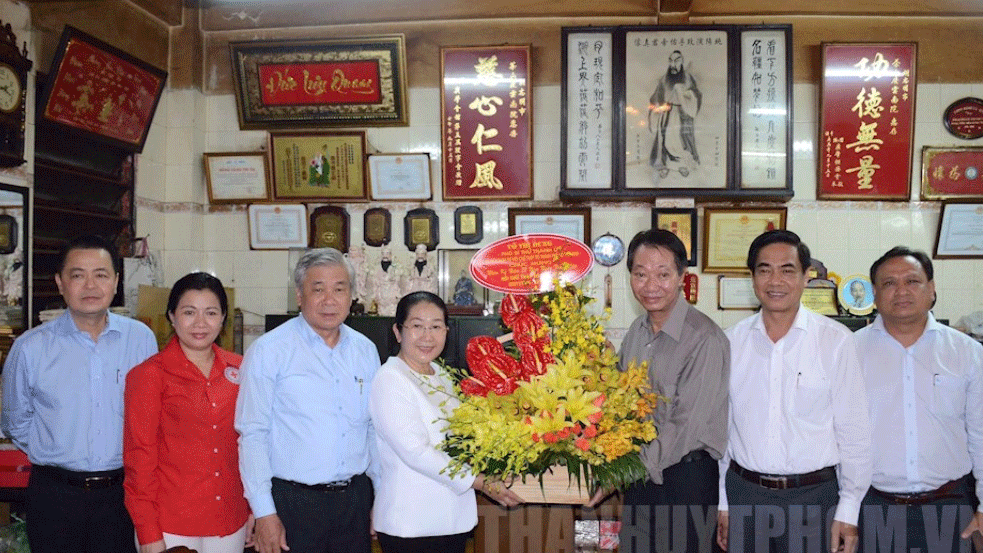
306, 437
925, 388
63, 406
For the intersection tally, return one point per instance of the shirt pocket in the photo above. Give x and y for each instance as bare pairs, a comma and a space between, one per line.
948, 395
812, 394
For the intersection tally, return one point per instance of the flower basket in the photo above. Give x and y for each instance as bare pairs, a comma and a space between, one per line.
550, 398
556, 486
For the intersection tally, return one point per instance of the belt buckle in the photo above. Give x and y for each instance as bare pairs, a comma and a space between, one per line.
89, 483
779, 482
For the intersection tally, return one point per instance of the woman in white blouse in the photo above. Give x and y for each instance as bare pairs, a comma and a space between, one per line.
417, 507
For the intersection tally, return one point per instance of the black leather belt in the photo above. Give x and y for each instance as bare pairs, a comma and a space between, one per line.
784, 481
696, 455
85, 480
337, 486
949, 490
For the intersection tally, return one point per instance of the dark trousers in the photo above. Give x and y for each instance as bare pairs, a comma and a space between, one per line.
456, 543
64, 518
763, 520
931, 528
678, 515
325, 521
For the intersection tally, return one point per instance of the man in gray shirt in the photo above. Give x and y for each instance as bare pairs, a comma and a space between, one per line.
688, 360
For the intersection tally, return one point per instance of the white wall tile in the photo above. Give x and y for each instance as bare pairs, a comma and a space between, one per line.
846, 236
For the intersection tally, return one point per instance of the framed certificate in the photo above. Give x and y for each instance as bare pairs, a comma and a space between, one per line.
277, 226
822, 300
728, 232
960, 233
682, 223
318, 166
237, 177
400, 176
570, 222
736, 292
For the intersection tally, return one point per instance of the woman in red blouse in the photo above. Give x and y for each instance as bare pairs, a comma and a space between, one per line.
179, 448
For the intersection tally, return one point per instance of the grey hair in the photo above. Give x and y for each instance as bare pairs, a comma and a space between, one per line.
323, 256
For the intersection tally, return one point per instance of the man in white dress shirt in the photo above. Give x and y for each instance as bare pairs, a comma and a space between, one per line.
799, 441
925, 388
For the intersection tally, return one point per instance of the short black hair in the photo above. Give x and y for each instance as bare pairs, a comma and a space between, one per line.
904, 251
778, 236
659, 238
89, 242
409, 300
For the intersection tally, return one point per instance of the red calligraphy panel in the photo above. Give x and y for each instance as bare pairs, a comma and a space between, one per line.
486, 123
867, 121
326, 83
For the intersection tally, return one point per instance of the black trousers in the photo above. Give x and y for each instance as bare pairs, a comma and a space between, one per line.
763, 520
932, 528
64, 518
456, 543
323, 521
680, 515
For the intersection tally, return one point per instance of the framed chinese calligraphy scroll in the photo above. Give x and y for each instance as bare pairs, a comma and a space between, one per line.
698, 111
866, 121
486, 123
101, 92
320, 83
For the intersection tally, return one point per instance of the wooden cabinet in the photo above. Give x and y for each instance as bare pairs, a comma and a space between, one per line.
80, 187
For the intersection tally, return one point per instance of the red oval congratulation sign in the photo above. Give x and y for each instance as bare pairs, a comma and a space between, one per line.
527, 263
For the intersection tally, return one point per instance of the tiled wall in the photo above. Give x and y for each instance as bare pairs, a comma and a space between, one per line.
186, 234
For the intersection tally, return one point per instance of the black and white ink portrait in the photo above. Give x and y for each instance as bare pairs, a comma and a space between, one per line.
676, 109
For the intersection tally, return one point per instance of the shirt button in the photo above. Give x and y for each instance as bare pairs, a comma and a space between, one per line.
214, 427
208, 384
218, 498
213, 405
215, 450
216, 473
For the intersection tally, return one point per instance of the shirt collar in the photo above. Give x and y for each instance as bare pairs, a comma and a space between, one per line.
65, 324
801, 322
674, 324
931, 326
312, 337
173, 352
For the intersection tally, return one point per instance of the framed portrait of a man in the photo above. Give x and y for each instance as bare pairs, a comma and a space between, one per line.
675, 101
856, 295
701, 111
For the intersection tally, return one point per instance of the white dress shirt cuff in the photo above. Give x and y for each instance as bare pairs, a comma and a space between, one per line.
848, 512
262, 505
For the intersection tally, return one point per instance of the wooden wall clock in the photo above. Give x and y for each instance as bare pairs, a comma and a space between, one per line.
14, 66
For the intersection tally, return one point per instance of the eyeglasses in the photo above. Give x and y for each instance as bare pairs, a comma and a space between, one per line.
418, 328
